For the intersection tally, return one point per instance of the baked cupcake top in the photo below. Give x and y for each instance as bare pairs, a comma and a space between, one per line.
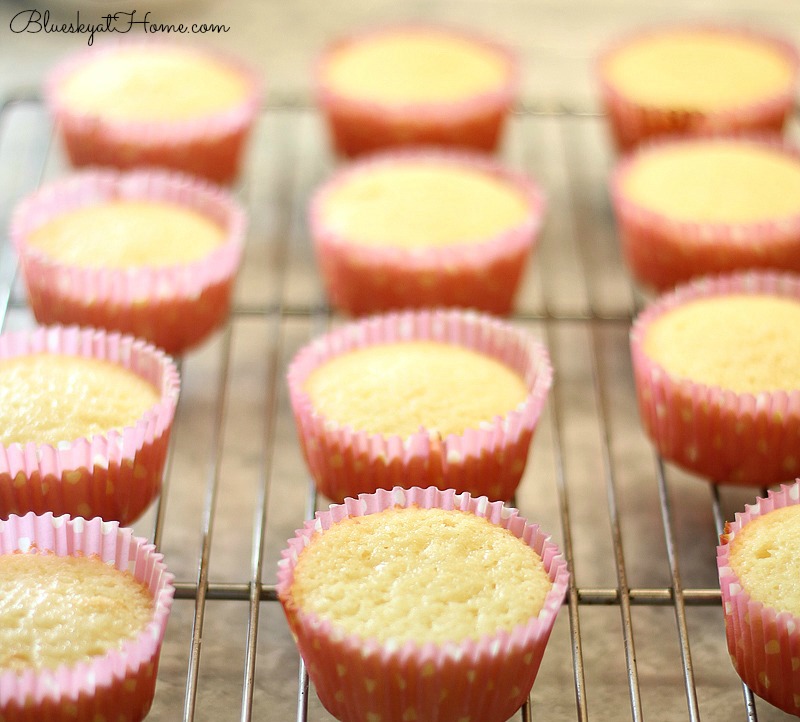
741, 342
414, 65
154, 83
708, 181
428, 575
422, 203
763, 554
398, 388
58, 610
697, 69
49, 398
128, 233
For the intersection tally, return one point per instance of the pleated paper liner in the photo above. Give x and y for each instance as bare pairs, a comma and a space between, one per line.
118, 685
210, 145
763, 642
489, 460
483, 275
115, 475
175, 307
361, 680
724, 436
359, 126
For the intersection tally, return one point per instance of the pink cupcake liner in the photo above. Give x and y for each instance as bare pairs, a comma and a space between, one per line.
174, 307
115, 475
362, 279
729, 438
359, 126
489, 460
631, 123
763, 642
360, 680
662, 252
118, 685
210, 146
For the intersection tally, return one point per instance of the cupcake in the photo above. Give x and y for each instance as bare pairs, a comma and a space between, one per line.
758, 571
85, 419
421, 604
696, 80
699, 206
149, 253
133, 104
432, 398
422, 228
83, 608
415, 85
717, 380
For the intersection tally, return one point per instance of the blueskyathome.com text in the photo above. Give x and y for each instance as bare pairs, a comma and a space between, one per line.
120, 22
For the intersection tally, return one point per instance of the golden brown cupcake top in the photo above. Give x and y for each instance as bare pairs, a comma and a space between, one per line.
154, 84
422, 204
128, 234
698, 70
763, 554
745, 343
420, 574
414, 66
715, 182
46, 398
398, 388
61, 609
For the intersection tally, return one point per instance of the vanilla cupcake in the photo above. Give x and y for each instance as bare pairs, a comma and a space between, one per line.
698, 206
153, 254
696, 80
423, 228
758, 570
138, 103
717, 380
415, 85
448, 399
421, 604
83, 608
85, 419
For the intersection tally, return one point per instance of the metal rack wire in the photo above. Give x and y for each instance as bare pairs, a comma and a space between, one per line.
640, 636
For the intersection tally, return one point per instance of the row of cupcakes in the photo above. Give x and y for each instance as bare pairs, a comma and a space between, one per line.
176, 307
148, 102
467, 80
452, 457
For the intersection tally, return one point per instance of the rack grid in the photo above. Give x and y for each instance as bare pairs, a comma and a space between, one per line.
640, 635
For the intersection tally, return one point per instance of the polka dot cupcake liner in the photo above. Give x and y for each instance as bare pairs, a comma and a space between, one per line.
489, 460
764, 644
174, 307
115, 475
726, 437
118, 685
362, 279
631, 123
662, 252
359, 126
362, 680
209, 146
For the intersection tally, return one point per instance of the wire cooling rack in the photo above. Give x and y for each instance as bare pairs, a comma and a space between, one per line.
640, 635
